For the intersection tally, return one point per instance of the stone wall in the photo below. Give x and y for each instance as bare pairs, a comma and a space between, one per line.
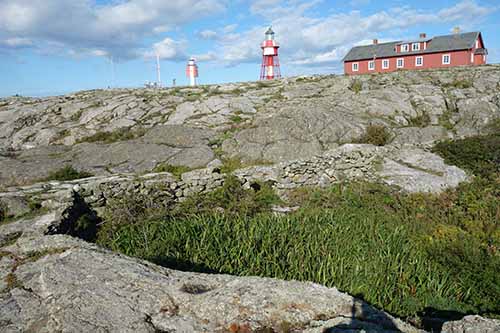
411, 169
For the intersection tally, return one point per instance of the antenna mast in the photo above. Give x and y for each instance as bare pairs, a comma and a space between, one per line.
158, 74
112, 72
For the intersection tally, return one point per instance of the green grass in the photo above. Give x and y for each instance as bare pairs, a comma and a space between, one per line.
480, 155
404, 253
121, 134
401, 253
236, 119
176, 170
67, 173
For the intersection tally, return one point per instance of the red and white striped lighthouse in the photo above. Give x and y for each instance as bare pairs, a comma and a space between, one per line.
192, 72
270, 62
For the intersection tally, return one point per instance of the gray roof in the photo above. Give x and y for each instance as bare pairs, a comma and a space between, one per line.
454, 42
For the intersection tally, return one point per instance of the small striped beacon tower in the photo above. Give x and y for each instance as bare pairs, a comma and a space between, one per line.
192, 72
270, 68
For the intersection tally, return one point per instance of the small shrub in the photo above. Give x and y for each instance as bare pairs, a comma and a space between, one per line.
121, 134
67, 173
176, 170
231, 164
460, 84
232, 198
12, 282
237, 91
377, 135
34, 205
236, 119
422, 120
3, 211
77, 115
356, 86
445, 121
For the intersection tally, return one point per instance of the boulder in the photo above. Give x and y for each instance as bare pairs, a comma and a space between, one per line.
472, 324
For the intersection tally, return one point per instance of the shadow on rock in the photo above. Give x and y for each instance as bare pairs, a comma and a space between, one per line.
434, 319
365, 318
78, 220
181, 265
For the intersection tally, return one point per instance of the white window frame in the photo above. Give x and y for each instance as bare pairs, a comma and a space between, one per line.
415, 47
421, 63
402, 63
355, 66
471, 57
449, 59
371, 65
385, 64
405, 47
425, 45
477, 43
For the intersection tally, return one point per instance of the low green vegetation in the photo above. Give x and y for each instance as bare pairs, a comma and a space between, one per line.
35, 208
445, 120
422, 120
176, 170
67, 173
377, 135
480, 155
121, 134
356, 86
460, 83
404, 253
230, 164
236, 119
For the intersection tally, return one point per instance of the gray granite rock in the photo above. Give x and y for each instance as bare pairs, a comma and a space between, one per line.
472, 324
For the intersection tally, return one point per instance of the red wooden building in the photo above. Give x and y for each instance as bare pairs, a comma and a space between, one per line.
443, 51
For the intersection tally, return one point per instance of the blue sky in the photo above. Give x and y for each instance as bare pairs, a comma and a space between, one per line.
58, 46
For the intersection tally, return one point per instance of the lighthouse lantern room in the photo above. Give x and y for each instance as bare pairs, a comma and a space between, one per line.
270, 68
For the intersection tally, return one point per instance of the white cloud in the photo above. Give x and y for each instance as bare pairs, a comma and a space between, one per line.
17, 42
168, 49
208, 34
119, 27
209, 56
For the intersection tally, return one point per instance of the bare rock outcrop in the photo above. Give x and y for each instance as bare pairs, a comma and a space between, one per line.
278, 121
472, 324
